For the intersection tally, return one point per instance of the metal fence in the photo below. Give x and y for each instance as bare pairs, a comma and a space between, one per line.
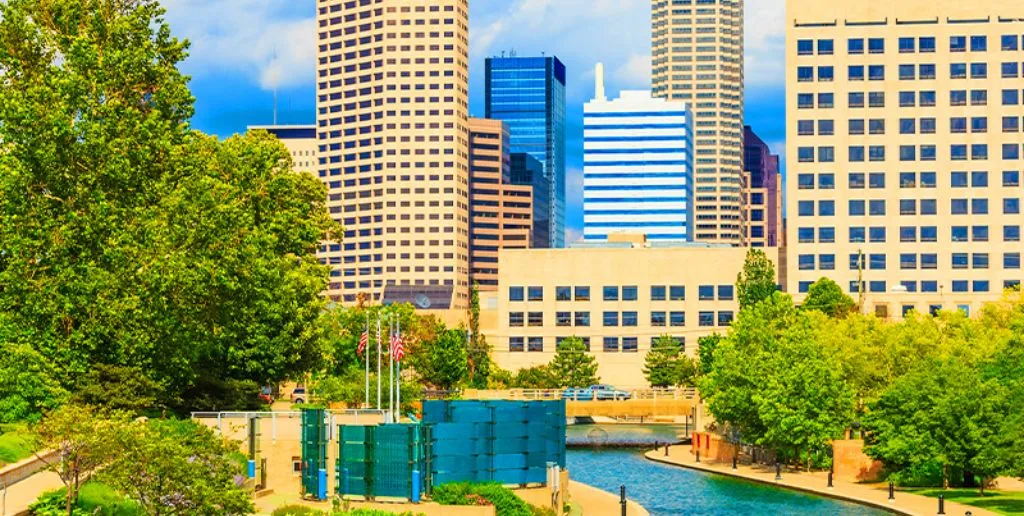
382, 461
557, 394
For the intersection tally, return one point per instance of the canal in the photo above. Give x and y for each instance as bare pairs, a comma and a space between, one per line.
671, 491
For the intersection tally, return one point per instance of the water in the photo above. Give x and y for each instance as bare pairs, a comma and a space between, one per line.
672, 491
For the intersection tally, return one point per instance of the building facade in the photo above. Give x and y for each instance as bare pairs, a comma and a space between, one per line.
528, 171
300, 140
393, 148
904, 143
762, 193
528, 94
637, 166
697, 57
617, 297
500, 213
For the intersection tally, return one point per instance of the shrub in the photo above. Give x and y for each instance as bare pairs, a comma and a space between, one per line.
94, 498
15, 445
296, 510
505, 502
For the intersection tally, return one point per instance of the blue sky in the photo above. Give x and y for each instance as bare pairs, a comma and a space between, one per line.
242, 48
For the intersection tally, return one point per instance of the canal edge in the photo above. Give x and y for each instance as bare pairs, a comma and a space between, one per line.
652, 456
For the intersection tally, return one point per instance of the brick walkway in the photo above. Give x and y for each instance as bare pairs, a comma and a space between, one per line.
817, 483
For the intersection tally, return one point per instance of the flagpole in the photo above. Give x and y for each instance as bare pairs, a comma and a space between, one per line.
366, 355
391, 370
398, 374
378, 362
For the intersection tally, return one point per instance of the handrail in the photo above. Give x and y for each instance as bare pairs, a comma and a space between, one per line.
688, 393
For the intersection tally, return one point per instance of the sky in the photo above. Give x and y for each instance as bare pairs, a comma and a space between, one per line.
242, 50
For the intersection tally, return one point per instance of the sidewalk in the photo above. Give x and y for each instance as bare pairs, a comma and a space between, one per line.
817, 483
22, 494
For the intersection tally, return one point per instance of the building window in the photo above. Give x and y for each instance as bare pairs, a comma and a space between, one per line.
979, 43
658, 319
629, 344
1011, 261
583, 319
1009, 42
563, 294
677, 319
535, 319
611, 293
958, 43
706, 319
907, 45
876, 45
535, 293
805, 47
516, 293
563, 319
611, 319
582, 293
677, 293
629, 293
926, 44
657, 293
535, 344
629, 318
515, 319
706, 293
725, 318
611, 344
516, 344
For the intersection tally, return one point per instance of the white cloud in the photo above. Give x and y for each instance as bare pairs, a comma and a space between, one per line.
259, 38
765, 42
636, 72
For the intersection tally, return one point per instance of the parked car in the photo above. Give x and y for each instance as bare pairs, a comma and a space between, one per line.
598, 392
266, 395
298, 395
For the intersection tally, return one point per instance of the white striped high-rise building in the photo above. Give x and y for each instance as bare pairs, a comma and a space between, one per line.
638, 166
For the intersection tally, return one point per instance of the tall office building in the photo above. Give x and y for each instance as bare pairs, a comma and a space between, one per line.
393, 147
500, 212
527, 170
762, 193
637, 166
528, 94
904, 137
697, 57
300, 140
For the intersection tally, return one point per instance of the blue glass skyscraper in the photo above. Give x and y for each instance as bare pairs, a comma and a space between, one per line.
528, 94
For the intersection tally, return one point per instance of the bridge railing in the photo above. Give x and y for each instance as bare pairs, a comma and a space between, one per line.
688, 393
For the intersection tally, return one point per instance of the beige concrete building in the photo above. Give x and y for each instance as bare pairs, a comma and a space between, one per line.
618, 297
697, 57
501, 213
904, 149
393, 148
300, 140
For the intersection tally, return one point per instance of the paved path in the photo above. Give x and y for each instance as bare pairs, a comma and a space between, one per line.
817, 483
22, 494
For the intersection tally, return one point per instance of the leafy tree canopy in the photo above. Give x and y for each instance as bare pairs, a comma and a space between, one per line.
827, 297
757, 281
572, 365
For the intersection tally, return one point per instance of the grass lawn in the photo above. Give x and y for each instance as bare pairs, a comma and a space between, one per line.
1002, 502
15, 445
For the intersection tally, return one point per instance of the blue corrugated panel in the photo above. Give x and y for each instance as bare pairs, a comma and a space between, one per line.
537, 475
510, 476
456, 447
510, 461
450, 431
510, 446
435, 411
517, 431
470, 414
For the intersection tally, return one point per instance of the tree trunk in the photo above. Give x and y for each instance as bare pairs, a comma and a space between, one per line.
981, 486
945, 477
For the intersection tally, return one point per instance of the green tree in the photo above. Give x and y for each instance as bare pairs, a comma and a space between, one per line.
661, 362
479, 351
29, 386
179, 467
572, 365
706, 346
85, 439
115, 387
536, 377
445, 364
130, 240
757, 281
827, 297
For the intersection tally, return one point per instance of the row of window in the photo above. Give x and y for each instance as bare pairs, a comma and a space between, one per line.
610, 344
861, 153
925, 98
623, 293
908, 261
906, 72
876, 126
877, 207
615, 319
877, 180
927, 286
906, 45
907, 234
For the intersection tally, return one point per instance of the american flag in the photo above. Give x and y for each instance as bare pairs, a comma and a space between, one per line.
397, 347
364, 339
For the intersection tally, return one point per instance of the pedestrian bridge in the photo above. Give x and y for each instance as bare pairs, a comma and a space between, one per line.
642, 406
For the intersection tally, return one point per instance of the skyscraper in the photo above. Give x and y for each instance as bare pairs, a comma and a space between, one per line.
637, 166
762, 193
527, 170
697, 57
500, 212
904, 138
393, 147
528, 94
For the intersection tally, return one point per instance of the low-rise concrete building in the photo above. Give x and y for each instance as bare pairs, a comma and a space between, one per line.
619, 297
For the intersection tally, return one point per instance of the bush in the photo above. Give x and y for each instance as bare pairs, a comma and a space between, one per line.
94, 498
296, 510
15, 444
505, 502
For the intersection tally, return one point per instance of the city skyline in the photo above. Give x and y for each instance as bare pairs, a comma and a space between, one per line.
240, 49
